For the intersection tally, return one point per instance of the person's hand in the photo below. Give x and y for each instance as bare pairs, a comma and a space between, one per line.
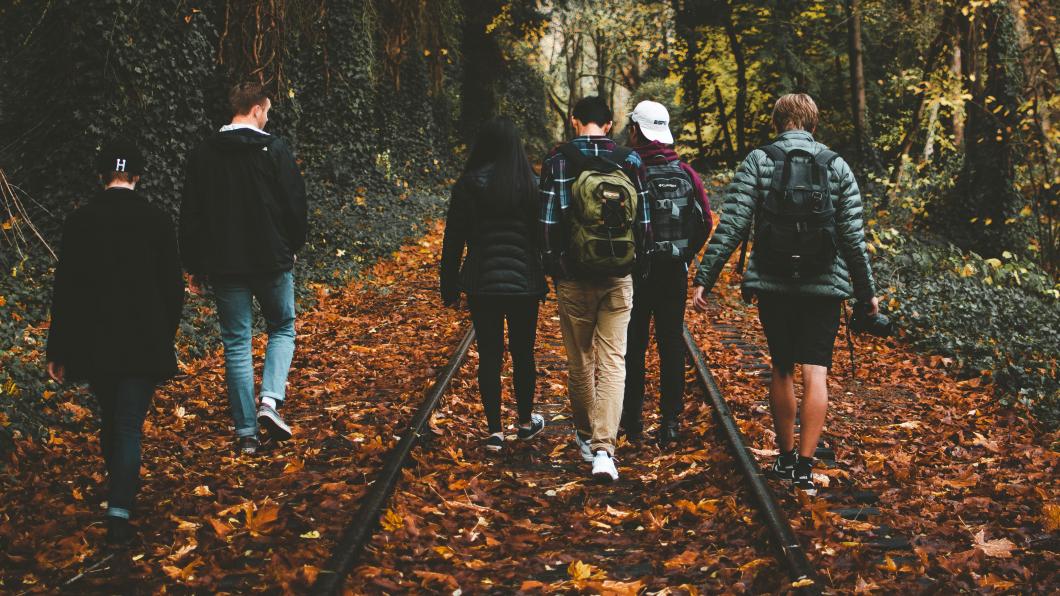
197, 284
699, 299
874, 306
57, 372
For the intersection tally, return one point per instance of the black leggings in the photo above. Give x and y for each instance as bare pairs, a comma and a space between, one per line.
488, 314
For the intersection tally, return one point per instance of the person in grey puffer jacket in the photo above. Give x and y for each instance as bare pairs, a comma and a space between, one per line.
800, 317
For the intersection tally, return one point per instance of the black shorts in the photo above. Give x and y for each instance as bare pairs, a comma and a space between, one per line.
799, 329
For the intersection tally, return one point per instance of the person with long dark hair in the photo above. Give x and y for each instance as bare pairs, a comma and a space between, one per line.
492, 212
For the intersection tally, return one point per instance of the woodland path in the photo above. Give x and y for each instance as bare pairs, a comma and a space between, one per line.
966, 489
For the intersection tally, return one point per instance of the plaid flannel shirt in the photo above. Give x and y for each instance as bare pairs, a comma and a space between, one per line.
555, 190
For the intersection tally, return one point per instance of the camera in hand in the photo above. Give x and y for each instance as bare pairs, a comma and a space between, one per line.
878, 324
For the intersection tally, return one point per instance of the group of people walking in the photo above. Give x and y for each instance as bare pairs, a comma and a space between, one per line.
615, 228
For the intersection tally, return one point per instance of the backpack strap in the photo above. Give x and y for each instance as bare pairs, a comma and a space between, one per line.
823, 160
575, 156
619, 155
825, 157
774, 152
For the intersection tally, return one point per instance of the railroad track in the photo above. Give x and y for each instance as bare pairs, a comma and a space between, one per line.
359, 531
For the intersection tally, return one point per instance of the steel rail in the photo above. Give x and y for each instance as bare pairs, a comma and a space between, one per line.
802, 574
358, 532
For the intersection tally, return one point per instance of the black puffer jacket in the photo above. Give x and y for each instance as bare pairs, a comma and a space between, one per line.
502, 256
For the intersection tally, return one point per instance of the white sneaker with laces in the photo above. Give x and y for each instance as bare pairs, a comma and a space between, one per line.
604, 467
583, 448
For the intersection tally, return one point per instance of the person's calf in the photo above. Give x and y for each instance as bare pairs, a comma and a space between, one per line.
814, 408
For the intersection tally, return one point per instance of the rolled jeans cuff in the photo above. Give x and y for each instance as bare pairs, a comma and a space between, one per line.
118, 512
247, 432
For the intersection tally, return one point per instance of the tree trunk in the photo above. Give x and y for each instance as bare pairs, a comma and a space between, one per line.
958, 115
482, 64
741, 79
686, 21
929, 142
723, 119
985, 198
857, 74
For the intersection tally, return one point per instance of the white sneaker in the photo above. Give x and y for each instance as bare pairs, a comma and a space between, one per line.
604, 467
583, 448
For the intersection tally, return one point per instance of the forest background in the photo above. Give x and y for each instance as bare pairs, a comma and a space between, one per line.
947, 110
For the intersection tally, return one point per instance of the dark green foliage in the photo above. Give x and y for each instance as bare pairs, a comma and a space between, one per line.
993, 317
92, 69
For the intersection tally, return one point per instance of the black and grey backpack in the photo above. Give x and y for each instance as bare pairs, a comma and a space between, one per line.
676, 216
795, 233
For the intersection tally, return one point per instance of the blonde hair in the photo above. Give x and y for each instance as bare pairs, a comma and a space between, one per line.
795, 110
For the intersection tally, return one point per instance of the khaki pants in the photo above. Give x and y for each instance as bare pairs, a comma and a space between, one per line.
594, 317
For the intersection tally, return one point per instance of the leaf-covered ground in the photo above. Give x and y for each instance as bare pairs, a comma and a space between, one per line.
970, 486
533, 519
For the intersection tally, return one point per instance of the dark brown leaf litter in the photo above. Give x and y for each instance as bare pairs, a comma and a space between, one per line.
533, 519
966, 490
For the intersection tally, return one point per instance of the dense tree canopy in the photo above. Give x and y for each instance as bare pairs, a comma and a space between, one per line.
945, 108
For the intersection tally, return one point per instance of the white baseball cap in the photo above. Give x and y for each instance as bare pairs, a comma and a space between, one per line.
654, 121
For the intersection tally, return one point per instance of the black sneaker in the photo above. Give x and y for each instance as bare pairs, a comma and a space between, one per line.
537, 424
495, 443
247, 445
668, 433
119, 531
784, 466
802, 476
271, 419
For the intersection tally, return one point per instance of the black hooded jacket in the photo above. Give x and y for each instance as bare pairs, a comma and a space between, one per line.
244, 206
502, 256
118, 290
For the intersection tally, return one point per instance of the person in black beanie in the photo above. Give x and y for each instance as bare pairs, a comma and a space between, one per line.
116, 304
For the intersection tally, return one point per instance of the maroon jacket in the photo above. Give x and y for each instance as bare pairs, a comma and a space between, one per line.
658, 153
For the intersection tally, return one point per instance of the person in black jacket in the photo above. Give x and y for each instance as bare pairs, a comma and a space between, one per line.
115, 308
242, 220
493, 211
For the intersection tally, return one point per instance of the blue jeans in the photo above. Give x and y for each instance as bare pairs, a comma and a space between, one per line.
123, 404
235, 302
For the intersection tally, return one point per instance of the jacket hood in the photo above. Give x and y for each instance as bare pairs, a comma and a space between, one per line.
240, 138
656, 153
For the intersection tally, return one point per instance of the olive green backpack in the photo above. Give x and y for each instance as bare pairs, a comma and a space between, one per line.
603, 209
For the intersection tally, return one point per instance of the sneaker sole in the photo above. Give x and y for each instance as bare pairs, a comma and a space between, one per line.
493, 448
604, 477
276, 428
535, 433
771, 473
